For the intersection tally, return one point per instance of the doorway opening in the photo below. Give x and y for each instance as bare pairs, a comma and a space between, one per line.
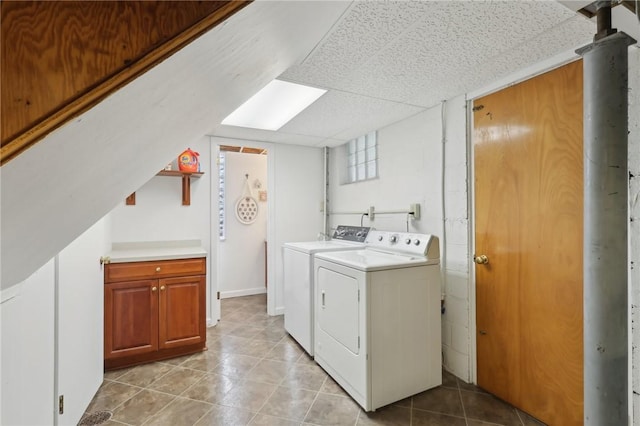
241, 218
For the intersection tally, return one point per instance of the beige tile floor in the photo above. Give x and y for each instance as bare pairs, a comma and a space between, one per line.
253, 373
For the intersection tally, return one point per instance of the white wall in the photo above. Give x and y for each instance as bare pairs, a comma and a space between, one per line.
296, 201
51, 336
634, 224
27, 351
458, 322
241, 256
80, 320
409, 145
49, 196
409, 165
410, 171
456, 258
159, 215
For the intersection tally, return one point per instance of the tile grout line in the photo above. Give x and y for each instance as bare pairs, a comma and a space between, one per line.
314, 399
148, 419
411, 412
260, 359
289, 358
207, 412
113, 410
272, 392
464, 410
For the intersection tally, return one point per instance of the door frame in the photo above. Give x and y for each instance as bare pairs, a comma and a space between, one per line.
510, 80
216, 141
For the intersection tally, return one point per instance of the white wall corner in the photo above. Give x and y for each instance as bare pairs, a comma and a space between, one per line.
457, 285
456, 363
447, 327
457, 230
457, 310
457, 257
243, 292
460, 339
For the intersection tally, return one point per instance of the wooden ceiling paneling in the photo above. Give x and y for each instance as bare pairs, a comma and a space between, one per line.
60, 58
243, 149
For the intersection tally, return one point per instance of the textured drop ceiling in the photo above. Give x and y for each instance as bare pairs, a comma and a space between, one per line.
385, 61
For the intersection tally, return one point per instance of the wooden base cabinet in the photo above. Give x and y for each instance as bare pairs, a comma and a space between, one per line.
153, 310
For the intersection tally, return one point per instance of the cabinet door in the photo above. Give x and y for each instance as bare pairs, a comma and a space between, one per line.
130, 318
182, 311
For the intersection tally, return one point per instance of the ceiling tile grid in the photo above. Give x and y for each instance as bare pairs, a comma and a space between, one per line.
367, 28
344, 115
446, 36
575, 32
244, 134
386, 60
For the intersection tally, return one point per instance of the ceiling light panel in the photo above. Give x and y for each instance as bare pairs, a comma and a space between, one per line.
273, 106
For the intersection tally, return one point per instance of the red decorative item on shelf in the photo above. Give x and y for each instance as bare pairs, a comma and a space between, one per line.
188, 161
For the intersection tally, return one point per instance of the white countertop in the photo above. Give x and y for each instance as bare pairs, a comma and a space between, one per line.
155, 250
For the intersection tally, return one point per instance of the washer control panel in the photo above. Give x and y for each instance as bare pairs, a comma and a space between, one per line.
405, 242
351, 233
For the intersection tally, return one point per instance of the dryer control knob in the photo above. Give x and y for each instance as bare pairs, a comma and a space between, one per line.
380, 238
407, 241
416, 242
393, 238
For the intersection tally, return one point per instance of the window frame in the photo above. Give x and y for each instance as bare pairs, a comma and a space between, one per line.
361, 158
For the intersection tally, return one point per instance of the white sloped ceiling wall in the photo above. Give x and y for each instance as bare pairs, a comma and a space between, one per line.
61, 186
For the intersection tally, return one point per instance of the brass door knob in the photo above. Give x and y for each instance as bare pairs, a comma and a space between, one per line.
481, 260
154, 288
158, 269
161, 287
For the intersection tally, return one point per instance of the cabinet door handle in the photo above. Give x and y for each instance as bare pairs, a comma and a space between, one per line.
158, 269
323, 299
154, 288
161, 287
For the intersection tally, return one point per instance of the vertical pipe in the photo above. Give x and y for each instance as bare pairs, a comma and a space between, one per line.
605, 230
443, 240
325, 201
603, 20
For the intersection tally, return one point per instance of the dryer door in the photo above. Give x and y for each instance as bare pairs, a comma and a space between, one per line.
339, 308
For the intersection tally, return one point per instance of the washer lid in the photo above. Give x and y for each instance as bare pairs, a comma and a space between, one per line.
373, 260
311, 247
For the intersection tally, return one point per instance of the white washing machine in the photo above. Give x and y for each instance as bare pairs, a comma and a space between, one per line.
298, 279
377, 326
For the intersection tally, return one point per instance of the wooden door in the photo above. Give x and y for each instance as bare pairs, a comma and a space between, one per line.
182, 311
528, 222
130, 318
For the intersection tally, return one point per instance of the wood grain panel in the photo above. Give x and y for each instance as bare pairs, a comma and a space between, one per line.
60, 58
115, 272
182, 306
528, 219
131, 319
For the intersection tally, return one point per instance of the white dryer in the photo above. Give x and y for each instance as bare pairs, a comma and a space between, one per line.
377, 327
298, 279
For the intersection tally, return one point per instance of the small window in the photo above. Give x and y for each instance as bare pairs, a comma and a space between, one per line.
362, 158
221, 195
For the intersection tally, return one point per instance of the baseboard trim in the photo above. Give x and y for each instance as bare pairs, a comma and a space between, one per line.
280, 310
245, 292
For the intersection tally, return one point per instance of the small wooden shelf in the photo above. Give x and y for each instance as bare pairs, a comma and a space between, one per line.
186, 185
178, 173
